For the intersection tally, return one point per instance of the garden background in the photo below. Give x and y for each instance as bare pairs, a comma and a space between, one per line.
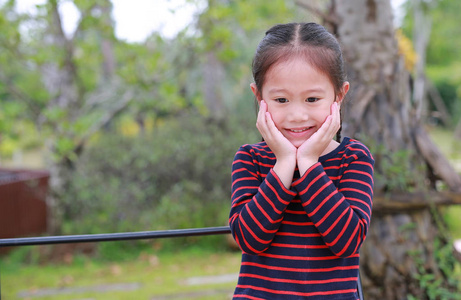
140, 135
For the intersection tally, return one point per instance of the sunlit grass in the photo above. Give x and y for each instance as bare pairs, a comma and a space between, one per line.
151, 275
450, 147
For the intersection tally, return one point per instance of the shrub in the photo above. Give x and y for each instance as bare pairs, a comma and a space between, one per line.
176, 177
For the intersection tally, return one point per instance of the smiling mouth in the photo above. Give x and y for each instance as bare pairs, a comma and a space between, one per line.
299, 130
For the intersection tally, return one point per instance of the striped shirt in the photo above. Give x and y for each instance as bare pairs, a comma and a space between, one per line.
302, 242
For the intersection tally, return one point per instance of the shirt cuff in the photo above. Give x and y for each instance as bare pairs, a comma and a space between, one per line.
281, 189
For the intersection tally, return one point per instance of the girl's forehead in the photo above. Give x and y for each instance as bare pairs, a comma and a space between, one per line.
291, 67
289, 62
305, 58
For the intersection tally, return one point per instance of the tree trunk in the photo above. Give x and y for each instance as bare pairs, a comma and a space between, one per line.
107, 48
213, 77
400, 250
421, 34
64, 84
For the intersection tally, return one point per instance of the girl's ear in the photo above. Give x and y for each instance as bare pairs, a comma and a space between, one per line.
255, 91
344, 90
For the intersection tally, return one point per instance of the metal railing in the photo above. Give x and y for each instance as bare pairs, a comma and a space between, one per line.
106, 237
123, 236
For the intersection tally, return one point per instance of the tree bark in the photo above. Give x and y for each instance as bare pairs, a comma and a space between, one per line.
421, 34
379, 111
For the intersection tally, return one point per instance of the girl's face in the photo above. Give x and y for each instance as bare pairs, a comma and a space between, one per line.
298, 98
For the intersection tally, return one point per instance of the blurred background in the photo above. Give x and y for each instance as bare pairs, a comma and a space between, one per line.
120, 116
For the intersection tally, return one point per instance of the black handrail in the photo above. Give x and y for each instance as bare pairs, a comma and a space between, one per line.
121, 236
104, 237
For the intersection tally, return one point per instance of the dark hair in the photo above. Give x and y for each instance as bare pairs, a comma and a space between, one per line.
311, 40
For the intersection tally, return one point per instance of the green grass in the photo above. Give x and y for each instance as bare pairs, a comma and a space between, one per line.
451, 216
155, 275
450, 147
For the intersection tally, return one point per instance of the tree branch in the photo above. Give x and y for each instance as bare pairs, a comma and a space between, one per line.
105, 119
327, 18
83, 14
404, 202
437, 101
437, 160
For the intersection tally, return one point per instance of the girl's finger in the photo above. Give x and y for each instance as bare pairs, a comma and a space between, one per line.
262, 110
270, 123
334, 123
328, 128
261, 122
337, 113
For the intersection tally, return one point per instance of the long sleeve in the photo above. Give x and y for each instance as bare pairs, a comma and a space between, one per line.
258, 200
301, 242
340, 212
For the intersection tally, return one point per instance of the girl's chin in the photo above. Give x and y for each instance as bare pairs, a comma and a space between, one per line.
297, 139
298, 143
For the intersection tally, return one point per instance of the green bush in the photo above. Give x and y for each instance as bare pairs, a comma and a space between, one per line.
176, 177
447, 81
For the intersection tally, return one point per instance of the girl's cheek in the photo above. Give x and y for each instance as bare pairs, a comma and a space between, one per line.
275, 119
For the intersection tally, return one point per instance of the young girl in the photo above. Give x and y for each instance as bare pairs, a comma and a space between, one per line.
301, 201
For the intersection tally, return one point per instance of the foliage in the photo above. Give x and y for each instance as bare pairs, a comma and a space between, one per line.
393, 171
65, 89
406, 50
446, 285
443, 61
447, 80
451, 217
174, 177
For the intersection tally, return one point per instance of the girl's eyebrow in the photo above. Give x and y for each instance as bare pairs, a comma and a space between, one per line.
282, 90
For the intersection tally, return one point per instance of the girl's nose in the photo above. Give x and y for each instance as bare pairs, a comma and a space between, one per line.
299, 114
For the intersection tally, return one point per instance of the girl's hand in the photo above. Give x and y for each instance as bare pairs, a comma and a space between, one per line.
283, 149
310, 151
279, 144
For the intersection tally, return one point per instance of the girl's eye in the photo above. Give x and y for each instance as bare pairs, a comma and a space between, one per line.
281, 100
312, 99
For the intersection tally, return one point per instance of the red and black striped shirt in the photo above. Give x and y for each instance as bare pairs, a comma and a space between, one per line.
301, 242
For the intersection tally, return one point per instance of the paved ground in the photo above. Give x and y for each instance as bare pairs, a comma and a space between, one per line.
226, 293
78, 290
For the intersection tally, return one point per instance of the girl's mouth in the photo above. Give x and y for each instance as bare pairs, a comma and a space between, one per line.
298, 130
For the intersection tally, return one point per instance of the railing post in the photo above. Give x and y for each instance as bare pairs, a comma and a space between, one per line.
359, 287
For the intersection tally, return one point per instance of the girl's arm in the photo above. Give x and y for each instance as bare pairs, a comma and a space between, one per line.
258, 202
341, 215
